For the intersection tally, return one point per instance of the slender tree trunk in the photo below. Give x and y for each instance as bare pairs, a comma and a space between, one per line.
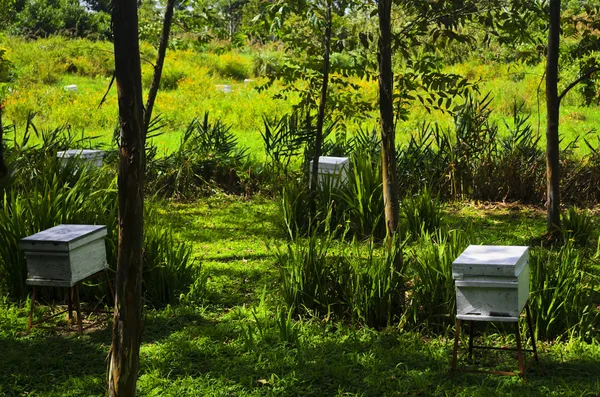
386, 109
128, 324
322, 102
552, 117
3, 167
160, 60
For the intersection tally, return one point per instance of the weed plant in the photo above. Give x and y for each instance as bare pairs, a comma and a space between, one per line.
432, 295
577, 226
421, 213
564, 294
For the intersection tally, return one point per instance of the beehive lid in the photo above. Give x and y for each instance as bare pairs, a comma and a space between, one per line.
63, 237
490, 260
333, 161
82, 153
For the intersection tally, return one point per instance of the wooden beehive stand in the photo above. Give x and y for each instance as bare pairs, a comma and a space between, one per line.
64, 256
492, 285
519, 348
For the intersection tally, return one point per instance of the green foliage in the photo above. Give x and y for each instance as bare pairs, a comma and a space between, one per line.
577, 226
42, 192
321, 278
361, 199
169, 268
422, 213
429, 264
208, 156
564, 294
43, 18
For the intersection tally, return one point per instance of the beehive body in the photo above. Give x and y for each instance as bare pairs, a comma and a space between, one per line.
86, 156
491, 282
64, 255
332, 170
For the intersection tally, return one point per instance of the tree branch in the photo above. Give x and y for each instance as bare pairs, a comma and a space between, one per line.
584, 76
160, 59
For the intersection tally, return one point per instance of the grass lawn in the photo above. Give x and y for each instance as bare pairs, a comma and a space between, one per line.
239, 340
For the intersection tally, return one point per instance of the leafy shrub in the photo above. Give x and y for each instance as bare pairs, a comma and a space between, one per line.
564, 295
319, 277
169, 269
169, 79
234, 66
207, 156
266, 63
422, 213
361, 199
577, 226
429, 264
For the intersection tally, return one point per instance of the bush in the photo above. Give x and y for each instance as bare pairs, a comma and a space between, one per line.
563, 294
234, 66
207, 157
421, 213
429, 264
577, 226
321, 278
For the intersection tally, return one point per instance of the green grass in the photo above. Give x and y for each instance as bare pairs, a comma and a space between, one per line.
232, 343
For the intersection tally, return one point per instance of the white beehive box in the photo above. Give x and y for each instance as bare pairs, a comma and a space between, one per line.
87, 156
334, 168
225, 88
492, 282
64, 255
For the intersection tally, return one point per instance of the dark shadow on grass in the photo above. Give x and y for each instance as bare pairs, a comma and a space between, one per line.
224, 223
495, 228
41, 364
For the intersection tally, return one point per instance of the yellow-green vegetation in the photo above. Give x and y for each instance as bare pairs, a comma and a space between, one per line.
191, 86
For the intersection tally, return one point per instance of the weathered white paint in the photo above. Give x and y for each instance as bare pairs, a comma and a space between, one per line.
64, 255
491, 282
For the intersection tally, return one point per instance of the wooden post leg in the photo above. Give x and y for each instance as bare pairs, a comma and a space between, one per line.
471, 330
110, 286
531, 332
69, 304
455, 349
30, 321
520, 352
78, 309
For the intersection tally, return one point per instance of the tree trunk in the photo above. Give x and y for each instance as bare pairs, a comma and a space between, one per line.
322, 102
128, 324
160, 60
552, 117
3, 167
386, 109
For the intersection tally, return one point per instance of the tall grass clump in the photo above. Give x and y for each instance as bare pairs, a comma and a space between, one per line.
323, 277
564, 294
169, 268
310, 274
208, 156
577, 226
375, 290
421, 213
361, 198
429, 264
